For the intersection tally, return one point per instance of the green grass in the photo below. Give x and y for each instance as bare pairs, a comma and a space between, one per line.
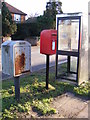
33, 95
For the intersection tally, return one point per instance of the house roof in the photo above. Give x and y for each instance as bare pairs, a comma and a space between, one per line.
14, 10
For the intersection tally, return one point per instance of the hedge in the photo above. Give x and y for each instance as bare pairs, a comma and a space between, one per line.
25, 30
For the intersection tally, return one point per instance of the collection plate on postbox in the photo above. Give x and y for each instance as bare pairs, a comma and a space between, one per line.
16, 57
48, 42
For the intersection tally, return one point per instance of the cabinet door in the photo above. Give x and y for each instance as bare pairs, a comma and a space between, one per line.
22, 60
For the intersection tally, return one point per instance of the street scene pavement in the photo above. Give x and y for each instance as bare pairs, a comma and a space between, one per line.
38, 61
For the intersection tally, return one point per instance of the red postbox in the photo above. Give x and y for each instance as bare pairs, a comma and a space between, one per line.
48, 42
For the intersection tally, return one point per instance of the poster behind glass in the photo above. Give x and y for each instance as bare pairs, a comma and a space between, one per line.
68, 35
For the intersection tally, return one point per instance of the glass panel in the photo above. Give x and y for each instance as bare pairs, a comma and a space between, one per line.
73, 64
62, 64
68, 34
0, 11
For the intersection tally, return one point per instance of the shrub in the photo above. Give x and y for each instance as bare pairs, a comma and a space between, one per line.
25, 30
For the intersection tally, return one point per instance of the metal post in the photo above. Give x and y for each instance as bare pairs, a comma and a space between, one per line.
47, 70
68, 65
56, 66
17, 88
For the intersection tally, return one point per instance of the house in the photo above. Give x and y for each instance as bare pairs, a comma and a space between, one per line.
17, 15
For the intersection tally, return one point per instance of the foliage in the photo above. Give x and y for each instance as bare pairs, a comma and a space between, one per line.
25, 30
33, 95
53, 8
44, 22
83, 89
8, 26
48, 19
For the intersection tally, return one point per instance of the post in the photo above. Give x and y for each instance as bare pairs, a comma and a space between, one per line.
47, 70
17, 88
56, 69
68, 64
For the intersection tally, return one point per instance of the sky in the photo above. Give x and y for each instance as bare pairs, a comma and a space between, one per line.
32, 7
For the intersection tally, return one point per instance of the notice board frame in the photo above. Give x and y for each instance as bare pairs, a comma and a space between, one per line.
68, 53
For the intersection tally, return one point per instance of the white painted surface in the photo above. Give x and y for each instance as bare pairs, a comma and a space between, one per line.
11, 52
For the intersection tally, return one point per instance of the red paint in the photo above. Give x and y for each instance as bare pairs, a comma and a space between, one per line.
46, 39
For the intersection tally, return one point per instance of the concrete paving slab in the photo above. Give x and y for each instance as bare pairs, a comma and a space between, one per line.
84, 113
70, 106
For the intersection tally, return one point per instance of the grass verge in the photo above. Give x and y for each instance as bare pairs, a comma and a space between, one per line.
33, 95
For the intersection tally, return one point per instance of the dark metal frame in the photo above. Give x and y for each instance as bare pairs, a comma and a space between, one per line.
47, 71
68, 53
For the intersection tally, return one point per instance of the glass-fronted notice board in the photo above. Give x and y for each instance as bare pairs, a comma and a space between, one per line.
72, 43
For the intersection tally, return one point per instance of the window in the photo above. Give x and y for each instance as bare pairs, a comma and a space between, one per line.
17, 17
0, 11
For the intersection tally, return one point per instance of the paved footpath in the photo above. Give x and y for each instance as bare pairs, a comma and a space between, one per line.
70, 106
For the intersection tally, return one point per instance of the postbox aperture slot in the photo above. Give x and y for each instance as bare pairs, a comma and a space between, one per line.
54, 34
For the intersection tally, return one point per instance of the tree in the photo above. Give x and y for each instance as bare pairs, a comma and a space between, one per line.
52, 8
48, 19
8, 26
44, 22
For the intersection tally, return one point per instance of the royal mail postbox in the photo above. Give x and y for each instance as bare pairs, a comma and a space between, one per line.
48, 41
16, 57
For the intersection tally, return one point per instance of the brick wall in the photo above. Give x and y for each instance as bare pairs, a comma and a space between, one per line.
12, 16
22, 18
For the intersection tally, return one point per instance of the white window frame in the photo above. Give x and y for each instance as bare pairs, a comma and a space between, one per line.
17, 17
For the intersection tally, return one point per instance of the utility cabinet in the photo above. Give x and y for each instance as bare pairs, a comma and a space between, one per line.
16, 57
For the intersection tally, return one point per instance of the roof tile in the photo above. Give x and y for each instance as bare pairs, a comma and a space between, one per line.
14, 10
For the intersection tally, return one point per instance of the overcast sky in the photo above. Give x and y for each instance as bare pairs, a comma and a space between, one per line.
32, 7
